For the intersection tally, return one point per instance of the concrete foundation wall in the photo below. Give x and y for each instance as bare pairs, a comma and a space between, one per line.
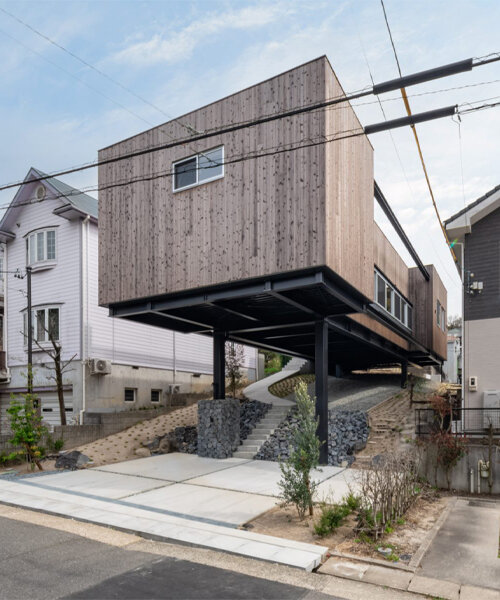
460, 475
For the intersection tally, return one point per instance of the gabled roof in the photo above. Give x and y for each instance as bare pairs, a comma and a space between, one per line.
79, 200
73, 202
461, 222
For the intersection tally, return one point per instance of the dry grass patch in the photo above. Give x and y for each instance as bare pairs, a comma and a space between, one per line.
287, 386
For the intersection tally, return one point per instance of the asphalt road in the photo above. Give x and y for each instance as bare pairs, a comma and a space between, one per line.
41, 563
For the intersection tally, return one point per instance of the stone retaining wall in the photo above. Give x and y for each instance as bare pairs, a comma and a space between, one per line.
347, 433
218, 427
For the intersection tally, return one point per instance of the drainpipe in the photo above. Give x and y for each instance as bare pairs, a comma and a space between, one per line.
5, 337
85, 303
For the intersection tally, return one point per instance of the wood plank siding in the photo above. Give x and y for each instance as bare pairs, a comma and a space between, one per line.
264, 216
424, 296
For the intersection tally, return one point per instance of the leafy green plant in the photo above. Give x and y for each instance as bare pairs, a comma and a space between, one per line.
295, 483
27, 428
352, 501
332, 516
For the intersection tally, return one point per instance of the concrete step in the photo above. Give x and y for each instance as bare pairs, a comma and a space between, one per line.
263, 430
249, 445
243, 454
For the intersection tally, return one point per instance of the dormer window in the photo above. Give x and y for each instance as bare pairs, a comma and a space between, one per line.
201, 168
41, 246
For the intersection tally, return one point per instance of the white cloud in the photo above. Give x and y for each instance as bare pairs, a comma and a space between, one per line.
181, 44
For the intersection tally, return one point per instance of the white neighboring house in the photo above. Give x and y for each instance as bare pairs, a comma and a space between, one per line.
118, 364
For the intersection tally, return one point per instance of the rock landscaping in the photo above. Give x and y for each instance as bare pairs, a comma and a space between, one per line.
218, 427
251, 412
347, 433
71, 460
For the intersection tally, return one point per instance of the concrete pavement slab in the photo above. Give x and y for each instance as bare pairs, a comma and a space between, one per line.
386, 576
98, 483
113, 513
344, 568
434, 587
471, 592
233, 508
255, 477
465, 550
338, 486
172, 467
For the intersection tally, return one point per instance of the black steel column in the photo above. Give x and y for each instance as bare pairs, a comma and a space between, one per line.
321, 372
219, 365
404, 374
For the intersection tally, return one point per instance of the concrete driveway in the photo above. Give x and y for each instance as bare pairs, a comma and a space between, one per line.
178, 497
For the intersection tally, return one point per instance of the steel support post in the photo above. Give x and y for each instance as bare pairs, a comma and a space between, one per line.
219, 365
321, 372
404, 374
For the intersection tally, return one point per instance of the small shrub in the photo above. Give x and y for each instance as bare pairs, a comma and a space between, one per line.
352, 501
58, 444
332, 516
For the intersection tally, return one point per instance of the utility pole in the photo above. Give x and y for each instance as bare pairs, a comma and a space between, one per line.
30, 333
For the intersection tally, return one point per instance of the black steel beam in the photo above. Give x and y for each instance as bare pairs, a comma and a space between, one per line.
384, 205
219, 365
293, 303
321, 386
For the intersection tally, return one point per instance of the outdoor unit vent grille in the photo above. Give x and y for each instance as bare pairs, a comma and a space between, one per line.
99, 366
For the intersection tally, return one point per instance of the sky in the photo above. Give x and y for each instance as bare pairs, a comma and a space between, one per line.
177, 55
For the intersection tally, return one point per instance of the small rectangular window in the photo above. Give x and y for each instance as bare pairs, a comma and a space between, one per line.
53, 323
51, 245
155, 395
397, 306
380, 291
409, 313
185, 173
129, 394
40, 325
389, 301
210, 164
203, 167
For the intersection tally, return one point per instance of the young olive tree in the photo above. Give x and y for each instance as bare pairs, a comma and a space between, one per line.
296, 485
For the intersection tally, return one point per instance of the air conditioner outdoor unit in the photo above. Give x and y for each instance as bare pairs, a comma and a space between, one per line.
99, 366
491, 409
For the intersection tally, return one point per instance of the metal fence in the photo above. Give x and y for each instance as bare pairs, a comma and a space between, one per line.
474, 422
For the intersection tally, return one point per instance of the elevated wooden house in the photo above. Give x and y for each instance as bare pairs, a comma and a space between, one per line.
265, 233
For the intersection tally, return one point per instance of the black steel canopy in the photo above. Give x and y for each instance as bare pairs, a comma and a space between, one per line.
279, 313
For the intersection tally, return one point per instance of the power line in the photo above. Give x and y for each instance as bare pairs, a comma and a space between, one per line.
408, 110
97, 70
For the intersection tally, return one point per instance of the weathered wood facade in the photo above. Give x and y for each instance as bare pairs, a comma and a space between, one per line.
292, 200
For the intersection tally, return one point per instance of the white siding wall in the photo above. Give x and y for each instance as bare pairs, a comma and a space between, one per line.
125, 342
60, 284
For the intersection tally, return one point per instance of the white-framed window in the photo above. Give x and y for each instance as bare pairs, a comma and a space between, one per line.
41, 246
387, 296
155, 396
45, 324
129, 394
200, 168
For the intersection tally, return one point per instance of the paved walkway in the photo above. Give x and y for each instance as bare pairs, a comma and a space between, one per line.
465, 551
179, 497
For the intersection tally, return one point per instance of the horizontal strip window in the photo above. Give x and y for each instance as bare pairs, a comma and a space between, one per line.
392, 301
201, 168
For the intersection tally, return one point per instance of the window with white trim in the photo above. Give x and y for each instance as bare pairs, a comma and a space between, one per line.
388, 297
41, 246
201, 168
44, 324
155, 396
440, 316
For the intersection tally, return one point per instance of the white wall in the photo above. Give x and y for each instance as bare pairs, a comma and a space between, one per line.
59, 284
482, 358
